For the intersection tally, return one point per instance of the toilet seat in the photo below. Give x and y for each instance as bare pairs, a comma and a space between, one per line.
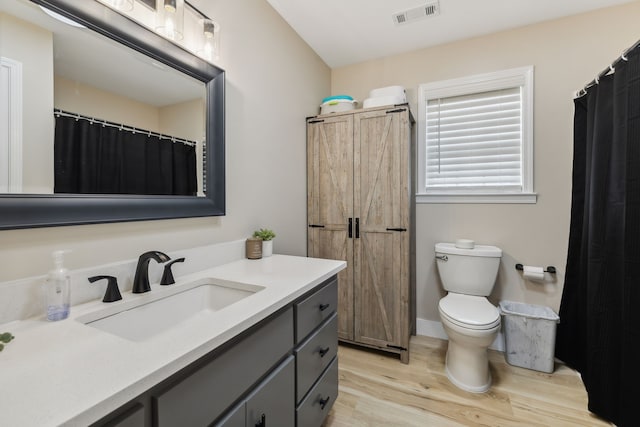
469, 311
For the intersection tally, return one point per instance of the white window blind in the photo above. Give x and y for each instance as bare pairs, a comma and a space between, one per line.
474, 141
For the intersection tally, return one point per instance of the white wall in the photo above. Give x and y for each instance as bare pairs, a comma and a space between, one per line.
33, 47
566, 54
274, 81
78, 97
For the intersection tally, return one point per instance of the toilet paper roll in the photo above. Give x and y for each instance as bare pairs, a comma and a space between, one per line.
533, 273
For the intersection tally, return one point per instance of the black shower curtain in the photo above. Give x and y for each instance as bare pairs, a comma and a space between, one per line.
599, 330
94, 159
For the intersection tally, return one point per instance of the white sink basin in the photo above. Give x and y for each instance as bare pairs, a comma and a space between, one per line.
161, 309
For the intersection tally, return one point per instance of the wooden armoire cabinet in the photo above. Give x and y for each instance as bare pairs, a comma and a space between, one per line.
361, 209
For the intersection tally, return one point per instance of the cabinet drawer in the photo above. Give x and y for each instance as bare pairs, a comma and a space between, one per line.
315, 309
314, 408
201, 397
315, 354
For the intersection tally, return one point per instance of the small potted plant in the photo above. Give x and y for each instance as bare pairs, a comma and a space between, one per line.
267, 237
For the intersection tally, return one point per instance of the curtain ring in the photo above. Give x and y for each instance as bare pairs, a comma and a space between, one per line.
612, 68
597, 79
624, 58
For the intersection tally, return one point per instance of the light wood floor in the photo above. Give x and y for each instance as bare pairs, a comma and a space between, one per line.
378, 390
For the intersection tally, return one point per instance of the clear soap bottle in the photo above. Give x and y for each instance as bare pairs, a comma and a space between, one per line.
57, 289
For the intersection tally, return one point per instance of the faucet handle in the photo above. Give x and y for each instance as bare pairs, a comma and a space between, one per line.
167, 276
113, 292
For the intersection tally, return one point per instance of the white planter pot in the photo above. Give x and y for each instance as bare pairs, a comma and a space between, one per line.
267, 248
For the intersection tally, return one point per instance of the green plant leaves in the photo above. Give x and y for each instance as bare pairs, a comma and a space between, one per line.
5, 338
264, 234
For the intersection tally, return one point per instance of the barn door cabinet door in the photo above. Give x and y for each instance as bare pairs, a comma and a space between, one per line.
360, 208
330, 204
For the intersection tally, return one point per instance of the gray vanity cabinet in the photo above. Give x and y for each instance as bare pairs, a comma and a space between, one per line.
133, 417
237, 417
316, 355
270, 404
313, 409
199, 398
284, 368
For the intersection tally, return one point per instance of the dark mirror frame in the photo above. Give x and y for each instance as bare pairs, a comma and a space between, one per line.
46, 210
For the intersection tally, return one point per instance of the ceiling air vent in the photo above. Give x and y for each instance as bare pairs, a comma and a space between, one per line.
411, 15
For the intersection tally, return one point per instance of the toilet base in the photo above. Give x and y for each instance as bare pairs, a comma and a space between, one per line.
467, 363
477, 382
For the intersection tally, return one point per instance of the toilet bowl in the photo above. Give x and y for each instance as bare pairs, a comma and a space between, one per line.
470, 321
467, 364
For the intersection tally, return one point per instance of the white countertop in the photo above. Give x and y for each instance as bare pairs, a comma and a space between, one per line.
68, 373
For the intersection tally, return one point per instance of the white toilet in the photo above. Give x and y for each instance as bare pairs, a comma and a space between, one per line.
468, 273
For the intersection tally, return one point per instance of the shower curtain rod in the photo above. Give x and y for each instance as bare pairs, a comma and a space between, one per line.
610, 69
77, 116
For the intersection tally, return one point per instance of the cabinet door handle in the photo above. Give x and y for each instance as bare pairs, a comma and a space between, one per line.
357, 228
323, 351
396, 229
262, 422
323, 402
323, 307
350, 228
316, 226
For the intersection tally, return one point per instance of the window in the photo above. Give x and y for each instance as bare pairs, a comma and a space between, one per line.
476, 139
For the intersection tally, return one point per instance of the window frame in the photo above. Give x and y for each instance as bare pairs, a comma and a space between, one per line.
522, 76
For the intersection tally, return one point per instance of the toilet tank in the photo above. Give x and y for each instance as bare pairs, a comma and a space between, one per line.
468, 271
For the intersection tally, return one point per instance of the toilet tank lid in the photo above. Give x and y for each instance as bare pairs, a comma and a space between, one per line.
478, 250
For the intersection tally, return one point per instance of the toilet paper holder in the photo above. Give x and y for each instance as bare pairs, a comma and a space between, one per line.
550, 269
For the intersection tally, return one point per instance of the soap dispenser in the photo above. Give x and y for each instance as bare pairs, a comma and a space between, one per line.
57, 289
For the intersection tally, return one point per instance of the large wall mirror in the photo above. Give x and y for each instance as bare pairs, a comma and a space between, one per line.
113, 77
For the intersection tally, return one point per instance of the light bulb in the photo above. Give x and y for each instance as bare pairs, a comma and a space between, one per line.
208, 28
170, 6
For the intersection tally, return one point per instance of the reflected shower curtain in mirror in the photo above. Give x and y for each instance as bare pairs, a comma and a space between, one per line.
94, 159
599, 330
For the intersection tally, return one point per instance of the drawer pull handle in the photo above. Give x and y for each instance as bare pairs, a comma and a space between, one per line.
323, 351
323, 307
262, 422
323, 402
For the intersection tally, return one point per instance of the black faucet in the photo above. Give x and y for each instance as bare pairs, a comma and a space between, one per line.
141, 279
113, 293
167, 276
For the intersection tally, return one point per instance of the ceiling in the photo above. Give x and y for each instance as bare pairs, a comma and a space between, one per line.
344, 32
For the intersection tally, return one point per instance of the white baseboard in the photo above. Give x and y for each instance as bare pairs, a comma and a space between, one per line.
434, 329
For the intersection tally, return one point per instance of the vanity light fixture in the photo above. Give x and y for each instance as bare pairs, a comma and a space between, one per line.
209, 49
123, 5
170, 19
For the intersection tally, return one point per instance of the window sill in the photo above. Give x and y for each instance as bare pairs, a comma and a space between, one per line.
512, 198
